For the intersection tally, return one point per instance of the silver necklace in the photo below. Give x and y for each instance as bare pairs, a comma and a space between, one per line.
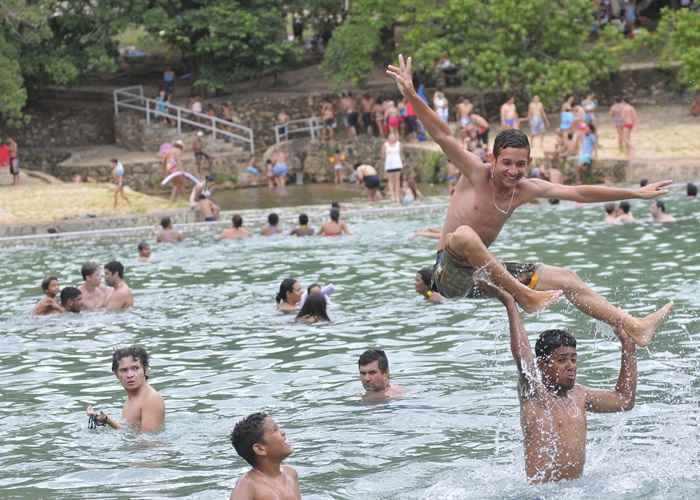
510, 205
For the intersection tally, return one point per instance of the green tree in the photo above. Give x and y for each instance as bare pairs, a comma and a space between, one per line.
52, 42
540, 46
224, 40
678, 37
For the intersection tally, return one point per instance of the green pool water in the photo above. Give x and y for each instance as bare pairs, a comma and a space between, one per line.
204, 310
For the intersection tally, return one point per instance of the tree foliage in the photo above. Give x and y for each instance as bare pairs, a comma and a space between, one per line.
678, 37
224, 40
536, 46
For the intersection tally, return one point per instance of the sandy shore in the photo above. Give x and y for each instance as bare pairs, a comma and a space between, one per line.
32, 202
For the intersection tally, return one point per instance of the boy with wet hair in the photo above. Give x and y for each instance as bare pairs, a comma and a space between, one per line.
334, 227
552, 406
121, 296
71, 299
263, 444
48, 304
237, 231
625, 215
303, 229
167, 233
485, 197
611, 213
94, 293
144, 407
144, 250
272, 226
423, 282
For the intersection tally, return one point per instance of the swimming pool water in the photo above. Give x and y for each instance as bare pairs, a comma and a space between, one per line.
220, 351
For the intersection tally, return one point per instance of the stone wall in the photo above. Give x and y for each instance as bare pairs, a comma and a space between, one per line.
61, 124
312, 158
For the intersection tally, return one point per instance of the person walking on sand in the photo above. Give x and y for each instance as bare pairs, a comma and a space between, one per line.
118, 176
484, 200
537, 118
629, 123
509, 115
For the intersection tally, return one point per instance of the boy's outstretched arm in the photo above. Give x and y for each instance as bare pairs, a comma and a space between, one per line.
467, 162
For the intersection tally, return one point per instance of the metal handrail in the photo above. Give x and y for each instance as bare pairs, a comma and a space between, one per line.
133, 98
311, 126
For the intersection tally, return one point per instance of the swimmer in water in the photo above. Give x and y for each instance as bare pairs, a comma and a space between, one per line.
313, 309
691, 190
144, 408
122, 297
334, 227
263, 444
303, 229
484, 200
373, 366
167, 234
94, 293
289, 296
236, 231
71, 299
272, 228
144, 251
611, 213
625, 215
658, 212
423, 282
48, 304
552, 406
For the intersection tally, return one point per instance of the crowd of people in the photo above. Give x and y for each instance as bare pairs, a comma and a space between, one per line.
485, 195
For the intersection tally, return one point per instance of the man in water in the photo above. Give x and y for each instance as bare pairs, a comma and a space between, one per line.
263, 444
236, 231
144, 407
552, 406
272, 226
658, 212
485, 198
71, 299
691, 190
303, 229
144, 251
625, 215
122, 297
94, 293
48, 304
367, 175
167, 234
206, 209
334, 227
374, 375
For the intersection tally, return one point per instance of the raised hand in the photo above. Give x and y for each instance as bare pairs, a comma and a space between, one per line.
653, 190
402, 76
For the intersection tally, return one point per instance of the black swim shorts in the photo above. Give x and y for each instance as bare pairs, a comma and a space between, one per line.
371, 181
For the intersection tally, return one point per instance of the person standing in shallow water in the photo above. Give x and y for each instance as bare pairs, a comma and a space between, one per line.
260, 441
121, 297
144, 407
552, 405
484, 199
48, 304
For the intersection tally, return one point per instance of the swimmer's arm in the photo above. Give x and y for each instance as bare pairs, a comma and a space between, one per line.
464, 160
327, 290
622, 398
103, 417
538, 188
530, 385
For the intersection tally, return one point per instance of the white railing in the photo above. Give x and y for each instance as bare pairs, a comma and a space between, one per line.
304, 127
132, 98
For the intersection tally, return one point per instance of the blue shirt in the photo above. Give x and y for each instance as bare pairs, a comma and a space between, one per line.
567, 120
587, 146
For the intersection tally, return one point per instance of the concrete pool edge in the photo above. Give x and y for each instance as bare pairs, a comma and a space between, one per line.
184, 219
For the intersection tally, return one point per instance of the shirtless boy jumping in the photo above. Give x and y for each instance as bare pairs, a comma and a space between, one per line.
485, 198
